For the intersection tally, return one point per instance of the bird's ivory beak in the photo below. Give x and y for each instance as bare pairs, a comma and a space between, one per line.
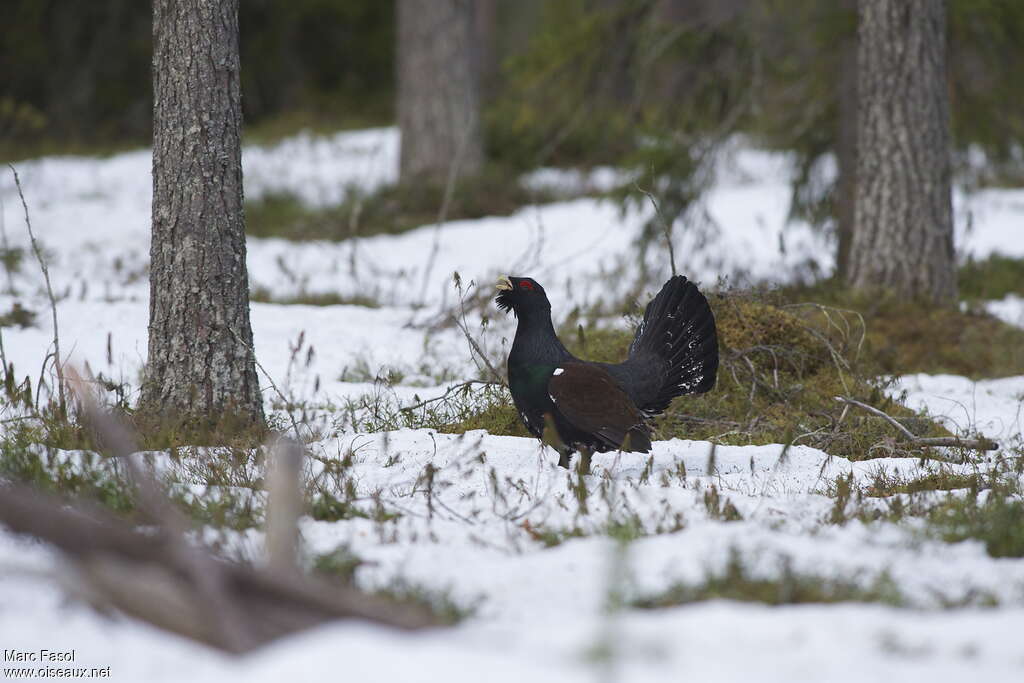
504, 283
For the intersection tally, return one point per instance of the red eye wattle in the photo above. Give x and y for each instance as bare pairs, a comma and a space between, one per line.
525, 284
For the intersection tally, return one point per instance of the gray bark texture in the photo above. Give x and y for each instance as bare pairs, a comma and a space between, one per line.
438, 90
846, 147
200, 367
903, 219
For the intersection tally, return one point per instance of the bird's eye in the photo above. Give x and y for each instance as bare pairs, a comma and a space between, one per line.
527, 285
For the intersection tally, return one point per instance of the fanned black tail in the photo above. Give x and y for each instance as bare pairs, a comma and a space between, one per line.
677, 343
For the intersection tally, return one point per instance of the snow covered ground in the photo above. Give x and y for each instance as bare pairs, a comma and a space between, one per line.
541, 613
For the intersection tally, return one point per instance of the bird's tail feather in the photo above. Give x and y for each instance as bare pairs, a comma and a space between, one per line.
678, 329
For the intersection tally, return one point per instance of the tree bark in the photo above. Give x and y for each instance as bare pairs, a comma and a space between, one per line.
903, 221
438, 90
846, 147
200, 368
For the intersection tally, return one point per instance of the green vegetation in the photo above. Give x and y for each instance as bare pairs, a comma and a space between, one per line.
791, 587
445, 608
992, 278
341, 564
903, 337
326, 507
885, 484
17, 317
391, 209
995, 517
988, 508
498, 416
262, 295
83, 475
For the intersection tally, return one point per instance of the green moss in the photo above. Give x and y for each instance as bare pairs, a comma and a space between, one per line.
997, 520
780, 371
992, 278
496, 418
885, 484
90, 476
603, 345
326, 507
17, 317
908, 337
339, 564
790, 588
11, 259
392, 209
265, 296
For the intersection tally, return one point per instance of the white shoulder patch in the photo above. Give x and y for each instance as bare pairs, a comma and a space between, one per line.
558, 371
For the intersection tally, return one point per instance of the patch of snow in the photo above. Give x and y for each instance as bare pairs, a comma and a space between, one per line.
1009, 309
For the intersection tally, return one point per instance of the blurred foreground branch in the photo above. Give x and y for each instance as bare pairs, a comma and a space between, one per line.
163, 578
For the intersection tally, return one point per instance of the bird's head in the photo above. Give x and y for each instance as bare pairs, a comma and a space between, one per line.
522, 295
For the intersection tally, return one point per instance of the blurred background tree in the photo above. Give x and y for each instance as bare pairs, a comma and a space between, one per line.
438, 89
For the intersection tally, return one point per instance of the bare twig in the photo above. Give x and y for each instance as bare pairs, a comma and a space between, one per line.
280, 394
462, 386
49, 292
980, 444
664, 226
473, 345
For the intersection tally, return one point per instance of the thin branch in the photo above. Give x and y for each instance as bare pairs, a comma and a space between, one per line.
460, 321
980, 444
452, 390
664, 226
49, 291
875, 411
280, 394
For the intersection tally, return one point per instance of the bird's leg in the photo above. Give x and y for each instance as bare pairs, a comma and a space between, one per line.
583, 467
563, 458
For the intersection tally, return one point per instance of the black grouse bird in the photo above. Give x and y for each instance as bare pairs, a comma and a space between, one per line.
576, 405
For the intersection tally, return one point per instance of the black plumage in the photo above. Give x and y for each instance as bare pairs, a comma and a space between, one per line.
576, 405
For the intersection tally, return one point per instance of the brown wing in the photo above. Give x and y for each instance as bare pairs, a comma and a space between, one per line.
592, 402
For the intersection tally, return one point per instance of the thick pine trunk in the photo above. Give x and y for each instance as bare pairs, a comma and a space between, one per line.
200, 368
903, 223
438, 90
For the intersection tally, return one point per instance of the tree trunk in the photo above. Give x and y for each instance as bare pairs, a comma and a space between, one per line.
846, 147
486, 40
903, 222
200, 370
438, 90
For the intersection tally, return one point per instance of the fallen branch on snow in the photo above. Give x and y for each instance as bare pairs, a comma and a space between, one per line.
979, 444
